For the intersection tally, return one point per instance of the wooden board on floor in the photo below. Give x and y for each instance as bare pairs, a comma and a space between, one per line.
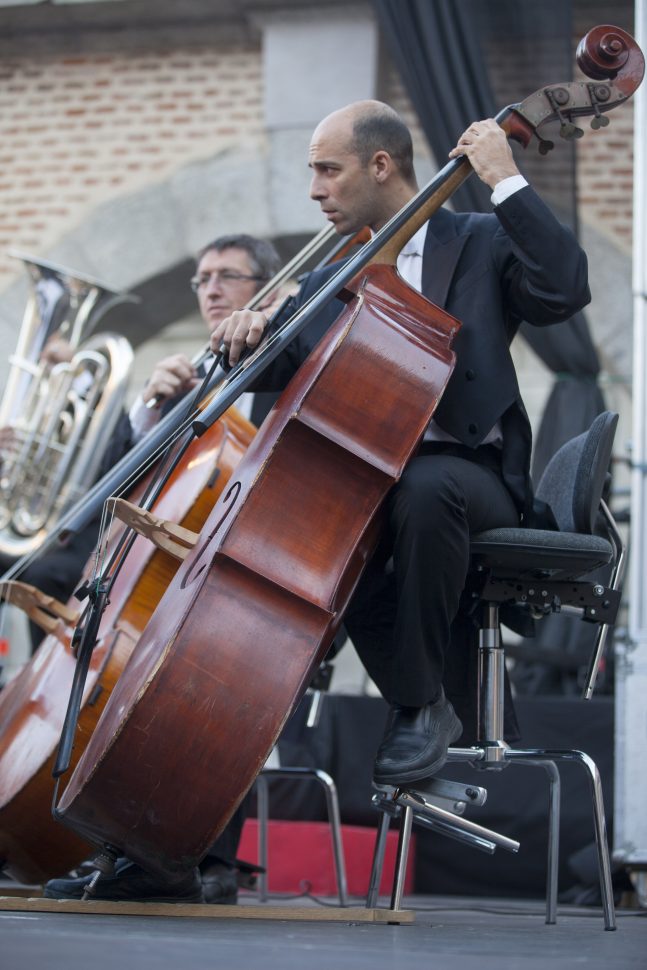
18, 890
339, 914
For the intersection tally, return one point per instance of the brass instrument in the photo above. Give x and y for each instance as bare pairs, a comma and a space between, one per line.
57, 419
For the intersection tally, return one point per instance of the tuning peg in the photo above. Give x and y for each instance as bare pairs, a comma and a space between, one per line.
545, 146
569, 131
601, 121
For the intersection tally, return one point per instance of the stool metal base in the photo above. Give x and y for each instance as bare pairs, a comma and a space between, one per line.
334, 820
412, 806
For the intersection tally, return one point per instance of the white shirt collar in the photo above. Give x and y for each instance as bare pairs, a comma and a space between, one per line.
415, 246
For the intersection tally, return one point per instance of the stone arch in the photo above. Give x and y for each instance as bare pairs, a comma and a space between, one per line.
144, 242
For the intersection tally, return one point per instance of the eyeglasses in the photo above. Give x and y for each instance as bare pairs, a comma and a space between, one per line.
225, 277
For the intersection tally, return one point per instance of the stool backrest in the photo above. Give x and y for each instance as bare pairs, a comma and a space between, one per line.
573, 481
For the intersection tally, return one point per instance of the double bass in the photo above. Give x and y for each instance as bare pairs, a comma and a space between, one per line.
254, 606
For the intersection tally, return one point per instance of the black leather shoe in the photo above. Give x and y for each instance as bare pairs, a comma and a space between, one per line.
130, 883
221, 880
220, 884
416, 741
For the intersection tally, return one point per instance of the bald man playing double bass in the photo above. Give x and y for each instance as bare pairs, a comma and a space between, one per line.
471, 472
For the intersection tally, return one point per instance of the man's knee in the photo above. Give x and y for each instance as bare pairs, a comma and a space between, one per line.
428, 491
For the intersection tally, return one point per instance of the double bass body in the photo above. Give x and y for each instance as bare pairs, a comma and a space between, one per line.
254, 607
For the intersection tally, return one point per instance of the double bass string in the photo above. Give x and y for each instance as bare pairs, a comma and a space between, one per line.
169, 462
97, 590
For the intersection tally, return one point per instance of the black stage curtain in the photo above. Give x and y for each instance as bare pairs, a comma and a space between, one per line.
436, 48
575, 398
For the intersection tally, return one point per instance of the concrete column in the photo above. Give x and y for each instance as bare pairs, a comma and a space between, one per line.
314, 61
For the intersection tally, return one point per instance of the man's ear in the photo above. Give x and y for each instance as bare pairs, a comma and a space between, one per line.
382, 165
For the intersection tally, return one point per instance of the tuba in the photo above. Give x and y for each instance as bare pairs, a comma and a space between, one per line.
57, 419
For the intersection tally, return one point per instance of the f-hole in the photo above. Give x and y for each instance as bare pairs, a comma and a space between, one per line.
197, 567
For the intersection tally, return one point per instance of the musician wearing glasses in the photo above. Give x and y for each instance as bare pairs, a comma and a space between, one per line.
230, 271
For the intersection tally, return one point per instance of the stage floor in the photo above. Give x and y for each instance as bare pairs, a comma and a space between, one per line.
456, 932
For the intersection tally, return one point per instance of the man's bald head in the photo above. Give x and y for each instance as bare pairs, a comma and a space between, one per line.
370, 127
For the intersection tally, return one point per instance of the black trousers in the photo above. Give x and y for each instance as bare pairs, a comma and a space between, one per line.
404, 618
225, 848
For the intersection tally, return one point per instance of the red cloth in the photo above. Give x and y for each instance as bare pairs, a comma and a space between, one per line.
300, 857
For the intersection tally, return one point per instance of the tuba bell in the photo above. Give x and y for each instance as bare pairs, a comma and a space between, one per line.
57, 420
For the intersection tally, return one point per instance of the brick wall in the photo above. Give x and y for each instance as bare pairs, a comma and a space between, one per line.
603, 159
79, 131
392, 90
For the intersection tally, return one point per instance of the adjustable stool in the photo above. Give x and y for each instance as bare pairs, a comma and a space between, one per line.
542, 571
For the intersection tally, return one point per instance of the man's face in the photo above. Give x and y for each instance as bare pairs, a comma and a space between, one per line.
218, 295
344, 187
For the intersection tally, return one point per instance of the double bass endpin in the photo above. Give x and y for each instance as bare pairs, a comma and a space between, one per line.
104, 863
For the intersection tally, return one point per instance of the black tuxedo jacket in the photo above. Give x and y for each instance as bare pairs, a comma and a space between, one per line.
491, 271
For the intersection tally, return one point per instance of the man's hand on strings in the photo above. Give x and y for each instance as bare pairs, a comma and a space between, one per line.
173, 375
486, 146
244, 328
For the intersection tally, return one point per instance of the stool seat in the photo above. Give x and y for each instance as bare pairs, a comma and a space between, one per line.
540, 552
